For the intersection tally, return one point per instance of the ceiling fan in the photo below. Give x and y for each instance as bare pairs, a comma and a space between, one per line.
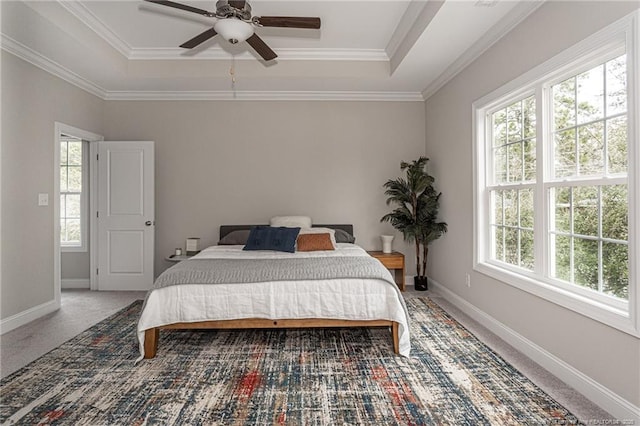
236, 24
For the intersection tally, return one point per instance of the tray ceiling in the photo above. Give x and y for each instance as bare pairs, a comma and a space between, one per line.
366, 49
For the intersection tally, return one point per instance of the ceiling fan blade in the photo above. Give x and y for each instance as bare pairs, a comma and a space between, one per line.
261, 47
199, 39
238, 4
182, 7
287, 21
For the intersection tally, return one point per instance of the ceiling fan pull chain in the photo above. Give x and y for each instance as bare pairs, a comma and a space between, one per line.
232, 72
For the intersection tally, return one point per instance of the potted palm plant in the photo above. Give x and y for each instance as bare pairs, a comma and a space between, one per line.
416, 213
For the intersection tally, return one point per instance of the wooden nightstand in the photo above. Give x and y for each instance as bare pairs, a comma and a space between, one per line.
395, 261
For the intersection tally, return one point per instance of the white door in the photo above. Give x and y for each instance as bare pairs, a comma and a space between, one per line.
125, 215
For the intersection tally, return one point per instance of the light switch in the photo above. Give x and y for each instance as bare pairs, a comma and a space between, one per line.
43, 199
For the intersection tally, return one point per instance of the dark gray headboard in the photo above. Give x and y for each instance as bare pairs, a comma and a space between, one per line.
225, 229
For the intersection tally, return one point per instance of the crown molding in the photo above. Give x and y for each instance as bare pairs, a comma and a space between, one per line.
284, 54
26, 53
21, 51
89, 19
229, 95
509, 22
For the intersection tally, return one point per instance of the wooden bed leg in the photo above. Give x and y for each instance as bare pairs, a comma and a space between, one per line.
396, 338
151, 337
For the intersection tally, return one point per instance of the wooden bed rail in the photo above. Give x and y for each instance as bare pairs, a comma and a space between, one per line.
152, 335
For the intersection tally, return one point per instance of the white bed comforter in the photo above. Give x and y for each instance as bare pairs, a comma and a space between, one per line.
350, 299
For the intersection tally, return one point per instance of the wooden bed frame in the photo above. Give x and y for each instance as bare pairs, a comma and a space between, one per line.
152, 335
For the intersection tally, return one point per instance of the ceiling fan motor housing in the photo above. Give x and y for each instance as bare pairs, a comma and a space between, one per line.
229, 9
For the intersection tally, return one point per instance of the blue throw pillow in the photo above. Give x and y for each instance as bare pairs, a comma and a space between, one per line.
272, 238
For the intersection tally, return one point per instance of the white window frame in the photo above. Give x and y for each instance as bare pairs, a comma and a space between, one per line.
83, 247
622, 315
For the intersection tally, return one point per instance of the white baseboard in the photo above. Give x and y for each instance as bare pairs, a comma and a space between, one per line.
75, 283
600, 395
24, 317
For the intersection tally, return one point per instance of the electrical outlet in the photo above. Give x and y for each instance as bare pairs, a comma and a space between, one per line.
468, 280
43, 199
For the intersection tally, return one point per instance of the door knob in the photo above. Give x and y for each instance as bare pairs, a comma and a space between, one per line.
148, 223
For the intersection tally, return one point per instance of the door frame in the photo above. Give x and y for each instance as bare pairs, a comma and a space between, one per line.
92, 138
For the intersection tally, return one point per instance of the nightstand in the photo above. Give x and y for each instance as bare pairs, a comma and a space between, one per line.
393, 260
174, 258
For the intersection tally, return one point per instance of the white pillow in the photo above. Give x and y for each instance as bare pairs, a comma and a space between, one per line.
291, 221
331, 232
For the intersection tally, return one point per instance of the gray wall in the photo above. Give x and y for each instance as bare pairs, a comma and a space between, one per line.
603, 353
32, 100
243, 162
75, 266
216, 163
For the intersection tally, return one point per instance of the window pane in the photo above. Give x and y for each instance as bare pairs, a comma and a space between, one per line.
510, 208
73, 205
529, 117
526, 249
63, 231
562, 257
585, 211
562, 209
530, 160
616, 70
565, 152
497, 207
514, 121
73, 230
591, 148
63, 179
499, 119
511, 245
590, 88
75, 179
617, 145
586, 262
526, 208
515, 162
564, 104
615, 222
615, 269
63, 198
498, 253
500, 164
75, 153
63, 152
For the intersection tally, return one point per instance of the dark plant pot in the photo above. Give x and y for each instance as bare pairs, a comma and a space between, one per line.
420, 283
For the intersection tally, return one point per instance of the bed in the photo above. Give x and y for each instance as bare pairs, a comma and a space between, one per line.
225, 287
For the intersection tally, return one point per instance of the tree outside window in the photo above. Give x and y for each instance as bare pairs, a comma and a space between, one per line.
71, 193
584, 165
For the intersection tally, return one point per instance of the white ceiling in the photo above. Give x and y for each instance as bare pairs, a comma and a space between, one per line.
365, 49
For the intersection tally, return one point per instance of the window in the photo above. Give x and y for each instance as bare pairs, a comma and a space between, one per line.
72, 195
588, 228
553, 191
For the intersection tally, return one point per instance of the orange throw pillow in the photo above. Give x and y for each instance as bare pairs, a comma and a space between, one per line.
314, 242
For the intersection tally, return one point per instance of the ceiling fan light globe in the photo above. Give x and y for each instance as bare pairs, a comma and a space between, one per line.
233, 30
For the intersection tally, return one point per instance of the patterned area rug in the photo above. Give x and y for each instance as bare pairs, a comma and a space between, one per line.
262, 377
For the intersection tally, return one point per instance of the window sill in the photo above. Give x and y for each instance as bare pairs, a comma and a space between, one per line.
595, 310
71, 249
